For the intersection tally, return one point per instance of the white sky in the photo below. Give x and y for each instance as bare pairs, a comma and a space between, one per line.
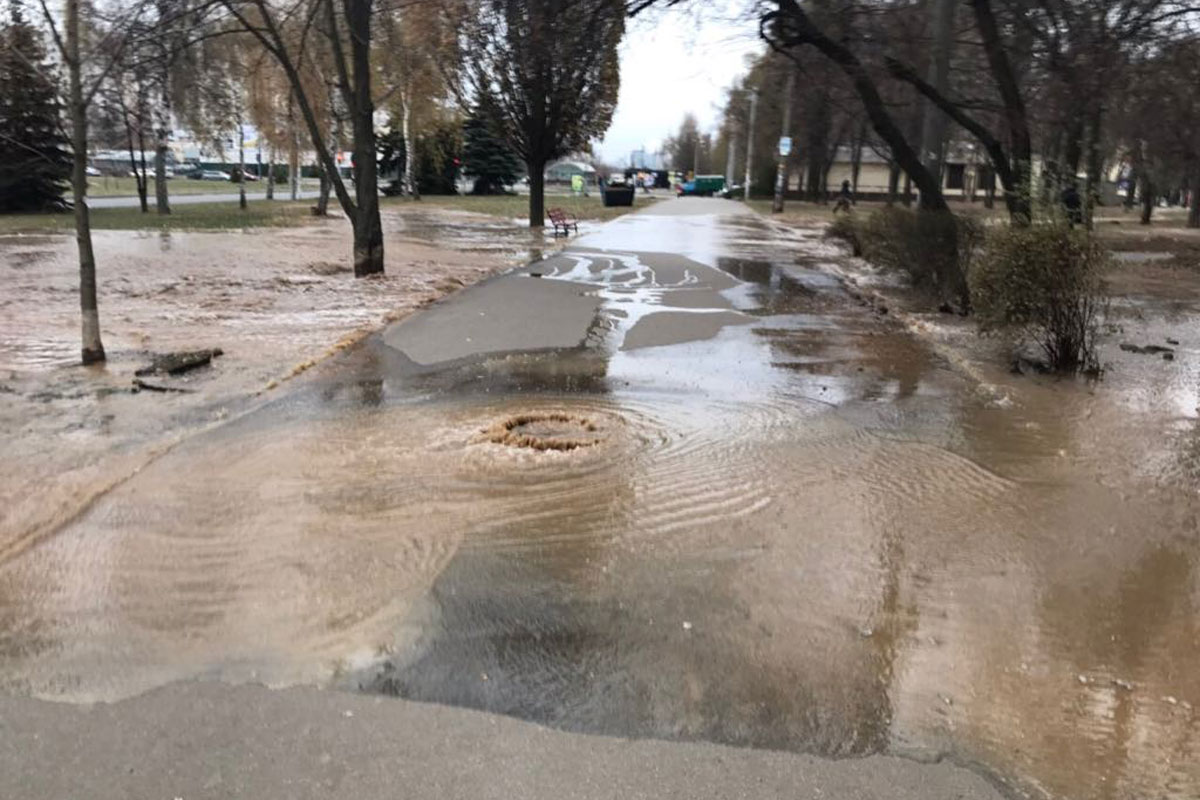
674, 61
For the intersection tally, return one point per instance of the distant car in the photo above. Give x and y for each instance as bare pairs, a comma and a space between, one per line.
735, 190
93, 172
149, 174
237, 175
210, 175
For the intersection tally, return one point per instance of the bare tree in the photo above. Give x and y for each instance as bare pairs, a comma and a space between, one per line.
86, 74
286, 32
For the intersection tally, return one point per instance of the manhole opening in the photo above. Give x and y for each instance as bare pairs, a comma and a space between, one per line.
545, 431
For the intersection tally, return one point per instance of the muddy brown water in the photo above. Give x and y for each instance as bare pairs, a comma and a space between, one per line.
799, 526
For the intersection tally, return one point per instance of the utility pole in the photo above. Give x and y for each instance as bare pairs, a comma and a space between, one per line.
750, 144
785, 144
933, 121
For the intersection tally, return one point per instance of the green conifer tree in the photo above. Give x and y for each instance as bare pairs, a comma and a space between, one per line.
35, 162
486, 156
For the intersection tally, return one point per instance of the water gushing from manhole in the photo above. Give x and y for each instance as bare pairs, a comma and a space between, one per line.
545, 431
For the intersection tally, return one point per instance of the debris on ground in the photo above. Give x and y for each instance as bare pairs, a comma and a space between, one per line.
139, 384
1150, 349
179, 362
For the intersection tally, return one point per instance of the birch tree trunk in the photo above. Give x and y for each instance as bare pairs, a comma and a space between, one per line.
410, 151
162, 126
162, 140
294, 166
92, 349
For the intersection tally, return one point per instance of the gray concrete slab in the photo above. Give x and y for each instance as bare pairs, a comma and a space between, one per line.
512, 312
199, 740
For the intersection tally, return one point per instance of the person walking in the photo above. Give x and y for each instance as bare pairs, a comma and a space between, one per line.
845, 199
1072, 203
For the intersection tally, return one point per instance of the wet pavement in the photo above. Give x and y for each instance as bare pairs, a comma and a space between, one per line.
673, 482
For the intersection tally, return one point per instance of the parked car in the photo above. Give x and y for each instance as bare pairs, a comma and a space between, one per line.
133, 173
210, 175
237, 176
92, 172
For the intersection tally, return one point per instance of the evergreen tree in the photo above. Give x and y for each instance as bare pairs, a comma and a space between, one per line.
487, 157
35, 164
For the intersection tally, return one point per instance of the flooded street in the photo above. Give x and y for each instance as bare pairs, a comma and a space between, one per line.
677, 482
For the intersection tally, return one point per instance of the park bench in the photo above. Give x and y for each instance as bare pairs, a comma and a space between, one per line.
563, 221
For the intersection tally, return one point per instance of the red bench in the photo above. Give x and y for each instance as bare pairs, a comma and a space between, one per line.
563, 221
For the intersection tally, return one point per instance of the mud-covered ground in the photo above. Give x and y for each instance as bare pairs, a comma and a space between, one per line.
698, 477
275, 301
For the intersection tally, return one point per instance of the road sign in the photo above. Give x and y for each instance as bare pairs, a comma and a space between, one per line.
785, 146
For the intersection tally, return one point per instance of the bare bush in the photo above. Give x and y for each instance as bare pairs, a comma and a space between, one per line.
1045, 284
934, 249
845, 229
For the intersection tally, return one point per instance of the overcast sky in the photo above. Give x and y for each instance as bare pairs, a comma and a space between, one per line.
674, 62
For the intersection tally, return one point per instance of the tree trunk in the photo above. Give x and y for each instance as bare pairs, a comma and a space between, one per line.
162, 134
933, 123
368, 230
410, 152
537, 193
893, 183
294, 168
1193, 220
1132, 181
241, 165
294, 151
322, 207
162, 127
856, 157
139, 178
730, 157
1148, 197
143, 189
271, 173
1052, 167
92, 349
1019, 196
817, 143
1095, 167
368, 241
1072, 152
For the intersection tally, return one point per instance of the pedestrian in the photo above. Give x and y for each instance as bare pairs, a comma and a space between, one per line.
845, 199
1072, 204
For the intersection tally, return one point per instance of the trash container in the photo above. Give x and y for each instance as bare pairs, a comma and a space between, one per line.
618, 195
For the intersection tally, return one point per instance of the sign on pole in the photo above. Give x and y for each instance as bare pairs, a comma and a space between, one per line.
785, 146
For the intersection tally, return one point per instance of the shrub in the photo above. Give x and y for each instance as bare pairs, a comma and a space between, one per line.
1045, 284
845, 228
934, 249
